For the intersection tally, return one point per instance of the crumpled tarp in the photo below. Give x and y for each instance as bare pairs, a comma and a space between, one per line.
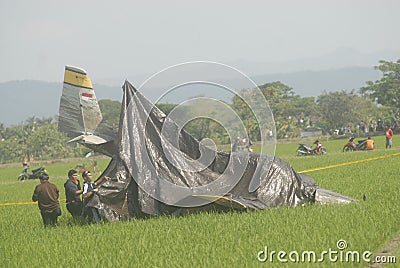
141, 166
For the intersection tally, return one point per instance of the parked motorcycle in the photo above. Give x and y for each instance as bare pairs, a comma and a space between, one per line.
352, 146
25, 175
304, 149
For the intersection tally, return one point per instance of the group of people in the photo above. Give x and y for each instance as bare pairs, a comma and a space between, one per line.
77, 198
370, 144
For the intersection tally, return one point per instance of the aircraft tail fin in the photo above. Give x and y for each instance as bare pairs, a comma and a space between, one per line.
79, 112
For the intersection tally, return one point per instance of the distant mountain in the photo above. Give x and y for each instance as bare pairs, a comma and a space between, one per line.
23, 99
314, 83
340, 58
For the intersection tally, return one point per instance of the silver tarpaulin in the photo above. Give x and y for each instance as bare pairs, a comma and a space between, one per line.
141, 167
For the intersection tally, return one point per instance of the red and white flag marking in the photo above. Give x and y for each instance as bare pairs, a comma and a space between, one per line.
87, 96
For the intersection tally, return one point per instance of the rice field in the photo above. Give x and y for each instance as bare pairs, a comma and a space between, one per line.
248, 239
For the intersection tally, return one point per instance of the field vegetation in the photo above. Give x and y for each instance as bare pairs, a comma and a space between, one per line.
215, 239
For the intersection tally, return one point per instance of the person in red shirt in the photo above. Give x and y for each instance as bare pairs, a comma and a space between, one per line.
389, 135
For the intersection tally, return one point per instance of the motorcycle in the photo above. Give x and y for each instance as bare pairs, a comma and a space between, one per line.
352, 146
36, 173
303, 149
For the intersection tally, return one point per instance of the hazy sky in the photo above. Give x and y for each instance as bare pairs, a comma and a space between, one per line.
125, 38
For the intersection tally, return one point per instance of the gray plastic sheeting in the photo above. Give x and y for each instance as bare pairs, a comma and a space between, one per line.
136, 184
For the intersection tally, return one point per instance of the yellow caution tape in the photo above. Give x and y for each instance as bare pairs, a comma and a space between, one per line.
24, 203
349, 163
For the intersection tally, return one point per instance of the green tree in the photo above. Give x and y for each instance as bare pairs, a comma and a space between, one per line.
205, 120
46, 142
342, 109
386, 91
166, 107
278, 96
287, 108
37, 139
111, 112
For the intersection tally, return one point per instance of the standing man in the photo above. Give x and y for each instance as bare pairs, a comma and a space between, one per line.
389, 135
72, 193
47, 194
89, 190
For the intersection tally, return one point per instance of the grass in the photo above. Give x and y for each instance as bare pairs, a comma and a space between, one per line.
213, 239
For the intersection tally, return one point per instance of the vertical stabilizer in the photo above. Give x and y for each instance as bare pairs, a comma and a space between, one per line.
79, 110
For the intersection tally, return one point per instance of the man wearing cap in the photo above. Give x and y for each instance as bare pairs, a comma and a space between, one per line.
47, 194
72, 193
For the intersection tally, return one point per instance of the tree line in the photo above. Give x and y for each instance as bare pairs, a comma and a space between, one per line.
375, 105
38, 138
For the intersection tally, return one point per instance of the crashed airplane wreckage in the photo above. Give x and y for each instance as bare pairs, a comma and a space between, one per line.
145, 183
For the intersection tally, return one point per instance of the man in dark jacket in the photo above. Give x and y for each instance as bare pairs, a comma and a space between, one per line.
73, 192
47, 194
